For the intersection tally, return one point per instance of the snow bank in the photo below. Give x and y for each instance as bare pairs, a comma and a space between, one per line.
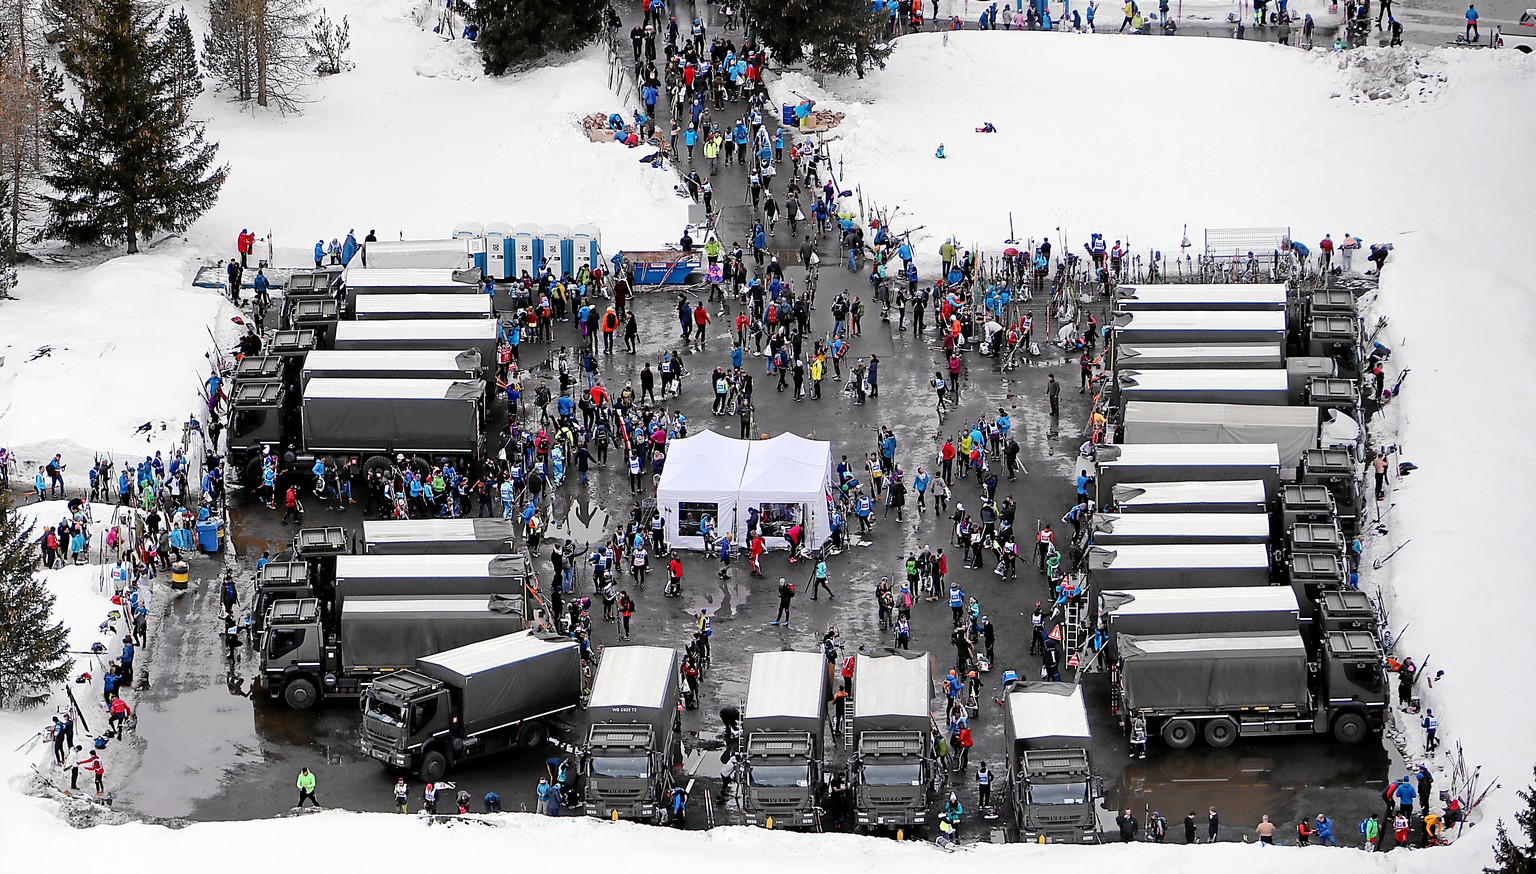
93, 354
416, 140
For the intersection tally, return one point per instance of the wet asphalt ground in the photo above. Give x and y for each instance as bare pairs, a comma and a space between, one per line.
208, 747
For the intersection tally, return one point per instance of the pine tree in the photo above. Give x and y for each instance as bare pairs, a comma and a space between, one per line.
34, 649
329, 43
516, 32
835, 36
259, 49
178, 52
1512, 858
126, 162
27, 92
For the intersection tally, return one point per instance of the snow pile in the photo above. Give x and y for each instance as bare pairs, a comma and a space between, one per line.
416, 140
93, 355
1392, 74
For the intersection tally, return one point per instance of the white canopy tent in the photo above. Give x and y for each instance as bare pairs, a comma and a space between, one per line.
779, 481
701, 477
787, 479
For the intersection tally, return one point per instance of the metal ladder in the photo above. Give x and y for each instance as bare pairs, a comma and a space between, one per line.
848, 723
1073, 632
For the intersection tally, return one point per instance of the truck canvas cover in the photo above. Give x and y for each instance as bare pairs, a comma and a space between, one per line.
1198, 672
394, 415
392, 364
1178, 566
1198, 327
454, 335
510, 678
1202, 297
1159, 356
393, 631
788, 690
1235, 496
439, 537
1176, 462
377, 280
1047, 716
1293, 430
1204, 386
1209, 611
368, 307
631, 681
429, 575
894, 691
1110, 529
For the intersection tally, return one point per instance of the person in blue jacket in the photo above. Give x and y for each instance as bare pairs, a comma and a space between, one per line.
1471, 35
1405, 795
319, 252
349, 246
739, 135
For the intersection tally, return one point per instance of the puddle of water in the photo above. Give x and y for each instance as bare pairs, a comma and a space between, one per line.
199, 739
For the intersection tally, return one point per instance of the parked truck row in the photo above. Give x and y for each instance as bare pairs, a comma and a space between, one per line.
388, 366
1215, 582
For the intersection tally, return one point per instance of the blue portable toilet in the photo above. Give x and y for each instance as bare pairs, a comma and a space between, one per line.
498, 237
527, 249
208, 536
556, 252
473, 235
587, 245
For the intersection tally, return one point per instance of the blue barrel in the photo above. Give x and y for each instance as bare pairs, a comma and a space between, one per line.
208, 536
787, 111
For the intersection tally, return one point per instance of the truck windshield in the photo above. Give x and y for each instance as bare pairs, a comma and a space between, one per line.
780, 776
1058, 793
633, 767
902, 774
385, 712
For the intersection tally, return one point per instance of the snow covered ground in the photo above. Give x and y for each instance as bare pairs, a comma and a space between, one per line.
1223, 134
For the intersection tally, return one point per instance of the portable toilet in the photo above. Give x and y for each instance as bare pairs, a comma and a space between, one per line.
556, 250
587, 245
527, 246
498, 265
473, 235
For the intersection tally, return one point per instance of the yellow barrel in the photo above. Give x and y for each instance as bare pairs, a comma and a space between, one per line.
181, 573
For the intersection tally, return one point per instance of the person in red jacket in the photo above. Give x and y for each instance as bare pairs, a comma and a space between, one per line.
675, 575
244, 244
292, 511
1326, 248
119, 713
93, 764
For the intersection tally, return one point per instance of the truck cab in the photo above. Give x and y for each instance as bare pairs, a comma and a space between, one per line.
405, 712
782, 776
292, 650
1355, 682
260, 414
278, 581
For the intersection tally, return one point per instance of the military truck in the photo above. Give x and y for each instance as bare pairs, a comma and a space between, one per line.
783, 723
633, 746
306, 659
892, 768
1052, 788
1255, 684
489, 697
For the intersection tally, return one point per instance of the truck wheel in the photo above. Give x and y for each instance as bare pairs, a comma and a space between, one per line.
422, 465
1179, 733
300, 693
1220, 732
433, 766
1349, 728
381, 463
532, 736
250, 475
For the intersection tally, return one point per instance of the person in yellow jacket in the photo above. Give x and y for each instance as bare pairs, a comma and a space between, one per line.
1130, 14
818, 371
306, 784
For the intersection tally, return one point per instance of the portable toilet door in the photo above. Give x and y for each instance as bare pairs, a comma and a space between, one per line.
527, 249
586, 244
555, 250
473, 235
498, 239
